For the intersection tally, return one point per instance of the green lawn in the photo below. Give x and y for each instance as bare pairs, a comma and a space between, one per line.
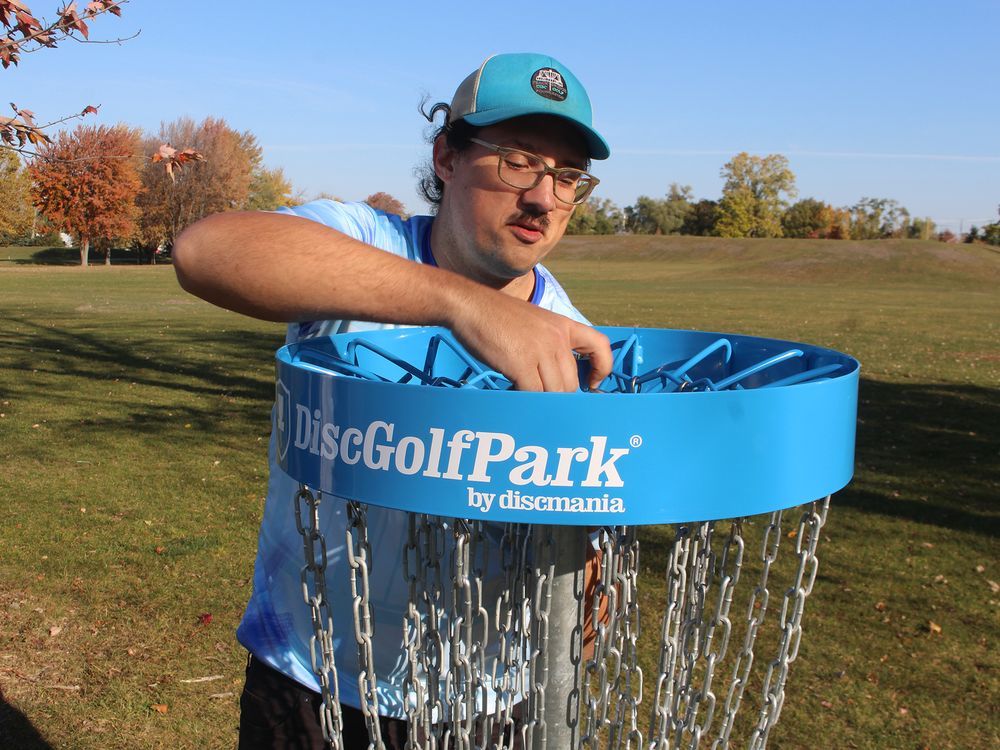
133, 431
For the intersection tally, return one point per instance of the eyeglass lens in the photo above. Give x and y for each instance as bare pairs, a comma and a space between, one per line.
522, 170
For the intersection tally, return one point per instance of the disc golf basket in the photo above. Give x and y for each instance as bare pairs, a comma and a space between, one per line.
525, 516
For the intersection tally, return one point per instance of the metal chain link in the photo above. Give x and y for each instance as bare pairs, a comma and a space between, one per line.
459, 682
358, 555
793, 604
612, 678
313, 578
415, 697
479, 561
756, 612
534, 731
509, 676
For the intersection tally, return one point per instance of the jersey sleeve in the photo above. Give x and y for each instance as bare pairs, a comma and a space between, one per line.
357, 220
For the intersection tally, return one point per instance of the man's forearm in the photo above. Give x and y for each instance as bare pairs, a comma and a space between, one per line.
286, 268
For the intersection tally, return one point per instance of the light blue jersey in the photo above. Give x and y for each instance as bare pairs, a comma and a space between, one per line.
277, 625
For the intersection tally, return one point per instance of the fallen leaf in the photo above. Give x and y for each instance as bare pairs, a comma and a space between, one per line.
204, 618
980, 568
994, 586
160, 708
933, 627
903, 711
880, 606
826, 704
793, 533
928, 545
55, 630
160, 550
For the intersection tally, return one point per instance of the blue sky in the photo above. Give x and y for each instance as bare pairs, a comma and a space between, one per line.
894, 99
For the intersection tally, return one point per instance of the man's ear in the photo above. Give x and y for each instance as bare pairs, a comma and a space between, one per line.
444, 160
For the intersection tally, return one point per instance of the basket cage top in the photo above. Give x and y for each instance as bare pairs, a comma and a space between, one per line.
741, 425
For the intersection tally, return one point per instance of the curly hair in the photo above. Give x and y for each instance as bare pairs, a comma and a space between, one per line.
456, 135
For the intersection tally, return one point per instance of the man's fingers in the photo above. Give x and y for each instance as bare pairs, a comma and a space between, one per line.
529, 380
558, 372
597, 348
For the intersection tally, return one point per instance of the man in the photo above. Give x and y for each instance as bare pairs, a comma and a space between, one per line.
509, 166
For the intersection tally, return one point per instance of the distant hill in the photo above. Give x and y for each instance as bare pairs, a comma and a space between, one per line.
815, 261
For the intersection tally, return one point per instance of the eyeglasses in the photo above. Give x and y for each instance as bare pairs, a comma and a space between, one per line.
524, 170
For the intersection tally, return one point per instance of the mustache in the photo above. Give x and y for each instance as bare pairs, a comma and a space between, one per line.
540, 220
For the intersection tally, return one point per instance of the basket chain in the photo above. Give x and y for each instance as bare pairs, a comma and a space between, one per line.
453, 709
806, 539
358, 555
535, 730
313, 576
611, 698
509, 673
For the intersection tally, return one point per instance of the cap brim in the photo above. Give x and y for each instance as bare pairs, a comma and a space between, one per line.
597, 146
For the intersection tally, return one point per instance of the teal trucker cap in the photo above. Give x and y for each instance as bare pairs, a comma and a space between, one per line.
525, 83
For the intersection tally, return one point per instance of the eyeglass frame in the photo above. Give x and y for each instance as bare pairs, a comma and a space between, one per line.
501, 151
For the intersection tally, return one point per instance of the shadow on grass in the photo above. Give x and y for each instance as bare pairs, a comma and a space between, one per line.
70, 256
928, 452
16, 731
95, 356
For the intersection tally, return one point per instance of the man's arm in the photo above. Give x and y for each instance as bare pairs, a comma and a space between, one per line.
286, 268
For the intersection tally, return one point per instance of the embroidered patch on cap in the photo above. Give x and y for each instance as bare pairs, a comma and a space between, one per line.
549, 83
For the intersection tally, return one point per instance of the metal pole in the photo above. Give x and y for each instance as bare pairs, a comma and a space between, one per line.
562, 692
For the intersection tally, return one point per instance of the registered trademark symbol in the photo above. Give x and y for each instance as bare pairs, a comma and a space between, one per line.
635, 441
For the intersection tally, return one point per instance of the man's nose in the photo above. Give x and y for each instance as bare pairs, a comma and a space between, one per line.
542, 196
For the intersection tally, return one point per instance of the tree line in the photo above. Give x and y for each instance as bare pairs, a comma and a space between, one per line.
107, 188
756, 201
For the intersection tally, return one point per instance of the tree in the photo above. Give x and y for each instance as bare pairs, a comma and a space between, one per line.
991, 234
596, 216
660, 216
16, 209
385, 202
875, 218
806, 218
922, 229
23, 34
269, 190
85, 183
701, 219
753, 197
221, 182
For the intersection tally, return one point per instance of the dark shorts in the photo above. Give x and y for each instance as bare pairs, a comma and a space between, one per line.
277, 712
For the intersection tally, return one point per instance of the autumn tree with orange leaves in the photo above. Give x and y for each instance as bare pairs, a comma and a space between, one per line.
223, 182
21, 32
86, 182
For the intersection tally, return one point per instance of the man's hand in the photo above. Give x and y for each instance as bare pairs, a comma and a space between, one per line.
531, 346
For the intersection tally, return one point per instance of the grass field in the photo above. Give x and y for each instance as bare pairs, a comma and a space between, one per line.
133, 423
